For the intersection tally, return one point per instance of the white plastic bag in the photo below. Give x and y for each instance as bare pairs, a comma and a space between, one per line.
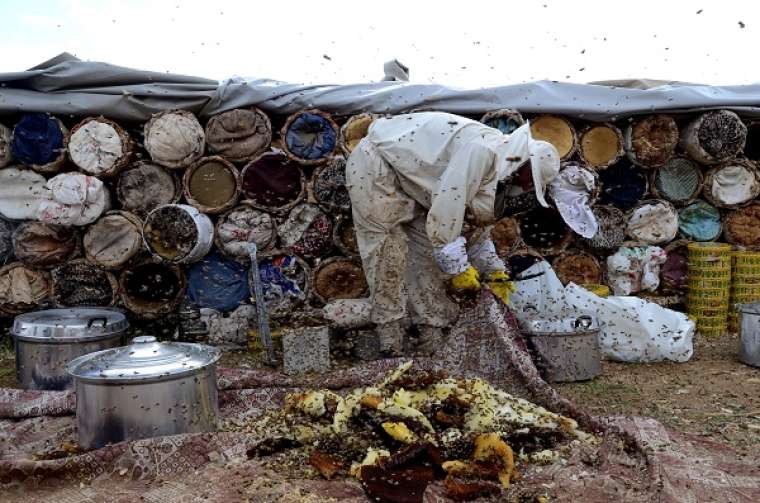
632, 270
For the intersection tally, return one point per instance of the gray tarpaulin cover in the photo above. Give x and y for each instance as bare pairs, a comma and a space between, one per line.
67, 85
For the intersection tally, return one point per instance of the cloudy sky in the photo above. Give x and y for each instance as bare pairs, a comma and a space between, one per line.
471, 43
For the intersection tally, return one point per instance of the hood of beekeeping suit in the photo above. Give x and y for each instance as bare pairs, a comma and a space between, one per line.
514, 150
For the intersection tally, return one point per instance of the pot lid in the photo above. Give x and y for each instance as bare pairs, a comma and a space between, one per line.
559, 325
69, 325
145, 359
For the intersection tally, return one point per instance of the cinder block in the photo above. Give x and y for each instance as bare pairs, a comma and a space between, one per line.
306, 349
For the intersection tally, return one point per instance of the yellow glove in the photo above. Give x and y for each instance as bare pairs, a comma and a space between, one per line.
468, 280
498, 282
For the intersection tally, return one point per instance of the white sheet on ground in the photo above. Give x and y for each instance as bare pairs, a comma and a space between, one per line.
631, 329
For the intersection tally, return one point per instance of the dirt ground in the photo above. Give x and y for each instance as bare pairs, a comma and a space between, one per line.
713, 395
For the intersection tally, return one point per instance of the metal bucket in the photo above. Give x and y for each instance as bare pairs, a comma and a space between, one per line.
749, 341
200, 246
564, 349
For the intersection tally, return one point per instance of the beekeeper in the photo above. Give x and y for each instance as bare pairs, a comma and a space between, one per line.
414, 181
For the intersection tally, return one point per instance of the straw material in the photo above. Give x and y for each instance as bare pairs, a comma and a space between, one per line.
174, 138
601, 145
212, 185
732, 185
339, 278
714, 137
239, 135
742, 227
679, 181
505, 120
310, 137
354, 130
78, 283
558, 131
577, 267
99, 147
651, 141
505, 235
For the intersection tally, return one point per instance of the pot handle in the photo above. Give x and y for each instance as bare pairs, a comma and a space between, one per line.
92, 321
583, 322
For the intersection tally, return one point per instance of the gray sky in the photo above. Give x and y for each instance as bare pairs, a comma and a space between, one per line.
464, 44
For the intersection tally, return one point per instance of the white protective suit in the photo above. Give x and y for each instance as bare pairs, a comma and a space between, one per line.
413, 180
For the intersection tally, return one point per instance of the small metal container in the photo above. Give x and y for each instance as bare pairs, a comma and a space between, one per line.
749, 341
145, 389
47, 340
565, 349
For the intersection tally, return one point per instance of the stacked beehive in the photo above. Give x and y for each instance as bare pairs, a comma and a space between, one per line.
283, 188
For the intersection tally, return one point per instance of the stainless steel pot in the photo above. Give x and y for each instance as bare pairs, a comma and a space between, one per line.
565, 349
145, 389
749, 341
47, 340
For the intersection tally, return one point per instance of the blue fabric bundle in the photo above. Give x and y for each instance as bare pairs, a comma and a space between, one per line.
506, 125
274, 278
218, 283
699, 221
37, 139
311, 137
623, 185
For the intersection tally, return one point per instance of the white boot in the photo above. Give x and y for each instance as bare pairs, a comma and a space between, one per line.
391, 337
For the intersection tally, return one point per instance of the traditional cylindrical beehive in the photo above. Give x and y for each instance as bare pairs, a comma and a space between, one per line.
742, 227
174, 138
651, 141
178, 233
577, 267
611, 230
38, 141
545, 231
556, 130
652, 222
679, 181
21, 191
113, 240
243, 225
520, 260
354, 130
674, 271
699, 221
146, 186
99, 147
218, 282
80, 283
273, 183
623, 185
310, 137
6, 240
212, 185
344, 236
714, 137
505, 235
732, 184
752, 145
152, 288
505, 120
44, 246
339, 278
709, 285
328, 186
22, 288
5, 146
519, 201
285, 281
239, 135
73, 199
601, 145
306, 232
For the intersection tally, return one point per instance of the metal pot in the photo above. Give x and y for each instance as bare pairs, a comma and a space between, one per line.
749, 342
145, 389
47, 340
565, 349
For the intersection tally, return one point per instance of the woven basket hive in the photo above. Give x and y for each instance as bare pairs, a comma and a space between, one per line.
556, 130
600, 145
679, 181
651, 141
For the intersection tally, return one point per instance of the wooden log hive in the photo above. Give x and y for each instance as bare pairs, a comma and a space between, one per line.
623, 185
5, 146
505, 235
328, 186
307, 232
544, 230
652, 222
611, 232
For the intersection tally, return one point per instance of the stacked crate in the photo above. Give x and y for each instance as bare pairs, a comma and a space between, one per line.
745, 283
709, 286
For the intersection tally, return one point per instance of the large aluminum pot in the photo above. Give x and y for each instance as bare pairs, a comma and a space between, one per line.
47, 340
146, 389
565, 349
749, 342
